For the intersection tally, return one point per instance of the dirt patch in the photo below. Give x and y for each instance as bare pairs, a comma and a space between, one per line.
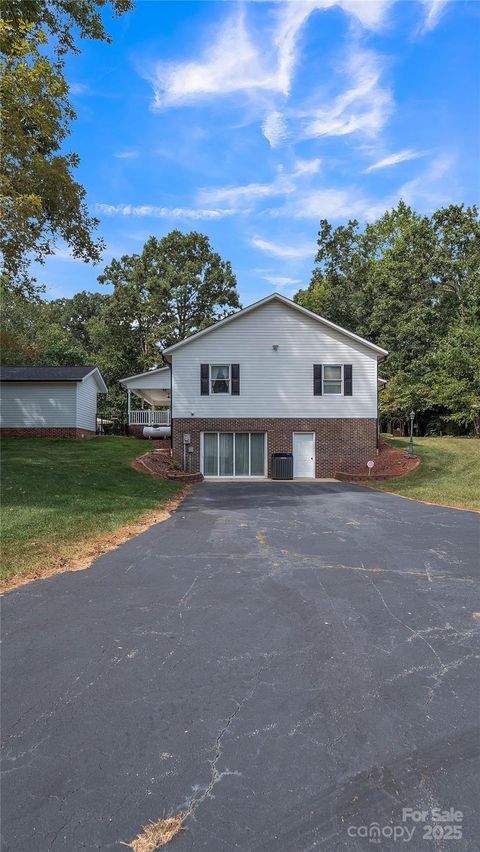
84, 553
157, 834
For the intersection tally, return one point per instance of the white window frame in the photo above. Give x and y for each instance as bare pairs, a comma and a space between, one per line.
340, 392
216, 393
227, 432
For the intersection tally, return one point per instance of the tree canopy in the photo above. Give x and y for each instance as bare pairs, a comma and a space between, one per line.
410, 283
40, 201
174, 287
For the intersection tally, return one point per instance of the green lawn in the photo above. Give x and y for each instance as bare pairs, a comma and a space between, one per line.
449, 473
60, 497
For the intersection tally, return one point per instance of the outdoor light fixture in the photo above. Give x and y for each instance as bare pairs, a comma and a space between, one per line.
275, 347
410, 452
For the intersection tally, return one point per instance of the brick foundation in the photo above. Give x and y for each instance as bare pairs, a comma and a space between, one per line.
340, 444
50, 432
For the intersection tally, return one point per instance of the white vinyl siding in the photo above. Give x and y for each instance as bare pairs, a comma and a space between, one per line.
87, 404
274, 383
38, 404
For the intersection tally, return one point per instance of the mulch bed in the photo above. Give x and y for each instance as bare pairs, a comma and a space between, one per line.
159, 463
390, 463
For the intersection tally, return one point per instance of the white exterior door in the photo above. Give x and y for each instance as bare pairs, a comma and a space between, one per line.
304, 454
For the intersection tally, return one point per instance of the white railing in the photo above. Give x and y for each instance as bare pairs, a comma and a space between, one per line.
146, 417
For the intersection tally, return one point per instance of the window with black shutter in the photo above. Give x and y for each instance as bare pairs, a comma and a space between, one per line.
347, 380
204, 379
235, 371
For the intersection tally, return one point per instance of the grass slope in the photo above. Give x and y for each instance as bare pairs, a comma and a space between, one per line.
449, 473
58, 495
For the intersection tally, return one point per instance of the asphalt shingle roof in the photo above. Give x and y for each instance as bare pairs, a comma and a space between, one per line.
44, 374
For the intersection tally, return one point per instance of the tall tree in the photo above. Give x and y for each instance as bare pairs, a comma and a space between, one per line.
32, 333
175, 287
62, 19
40, 202
75, 314
411, 284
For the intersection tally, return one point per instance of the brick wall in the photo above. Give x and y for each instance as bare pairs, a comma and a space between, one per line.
340, 444
50, 432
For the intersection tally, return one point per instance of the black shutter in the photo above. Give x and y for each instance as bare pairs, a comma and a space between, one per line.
235, 369
204, 375
317, 379
347, 380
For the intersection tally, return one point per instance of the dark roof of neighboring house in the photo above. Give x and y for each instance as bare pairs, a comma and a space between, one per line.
44, 374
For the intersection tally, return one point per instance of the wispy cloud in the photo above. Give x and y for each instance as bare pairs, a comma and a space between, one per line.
235, 61
232, 63
325, 203
283, 251
434, 10
244, 196
78, 88
364, 106
281, 281
306, 167
434, 186
274, 128
160, 212
127, 155
394, 159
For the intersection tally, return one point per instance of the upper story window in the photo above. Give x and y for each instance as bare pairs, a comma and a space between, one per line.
219, 378
332, 379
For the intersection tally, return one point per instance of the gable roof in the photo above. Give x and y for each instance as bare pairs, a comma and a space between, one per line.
51, 374
146, 373
289, 303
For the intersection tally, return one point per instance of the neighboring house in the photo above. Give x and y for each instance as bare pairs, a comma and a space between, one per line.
274, 377
49, 402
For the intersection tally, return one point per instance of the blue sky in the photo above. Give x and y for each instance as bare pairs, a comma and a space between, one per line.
252, 121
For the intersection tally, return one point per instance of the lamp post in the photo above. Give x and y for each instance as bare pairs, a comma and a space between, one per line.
410, 452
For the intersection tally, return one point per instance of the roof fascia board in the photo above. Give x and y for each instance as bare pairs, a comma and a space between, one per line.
146, 373
289, 303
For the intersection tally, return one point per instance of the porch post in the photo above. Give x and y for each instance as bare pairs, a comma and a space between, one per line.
128, 404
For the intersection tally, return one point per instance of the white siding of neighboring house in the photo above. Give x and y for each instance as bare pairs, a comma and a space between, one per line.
87, 404
38, 404
274, 384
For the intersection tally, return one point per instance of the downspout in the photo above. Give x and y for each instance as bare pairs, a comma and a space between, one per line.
171, 404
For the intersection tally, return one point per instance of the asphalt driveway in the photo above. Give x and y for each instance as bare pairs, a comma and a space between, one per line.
288, 663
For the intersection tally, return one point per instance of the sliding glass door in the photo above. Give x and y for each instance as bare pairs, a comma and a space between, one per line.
234, 453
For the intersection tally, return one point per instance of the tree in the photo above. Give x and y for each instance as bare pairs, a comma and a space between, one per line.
62, 18
31, 334
40, 202
74, 315
19, 329
411, 284
176, 286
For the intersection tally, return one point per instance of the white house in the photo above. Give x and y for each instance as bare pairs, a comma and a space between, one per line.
49, 402
271, 378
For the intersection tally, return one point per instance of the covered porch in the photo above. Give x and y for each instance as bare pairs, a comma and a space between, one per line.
148, 398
